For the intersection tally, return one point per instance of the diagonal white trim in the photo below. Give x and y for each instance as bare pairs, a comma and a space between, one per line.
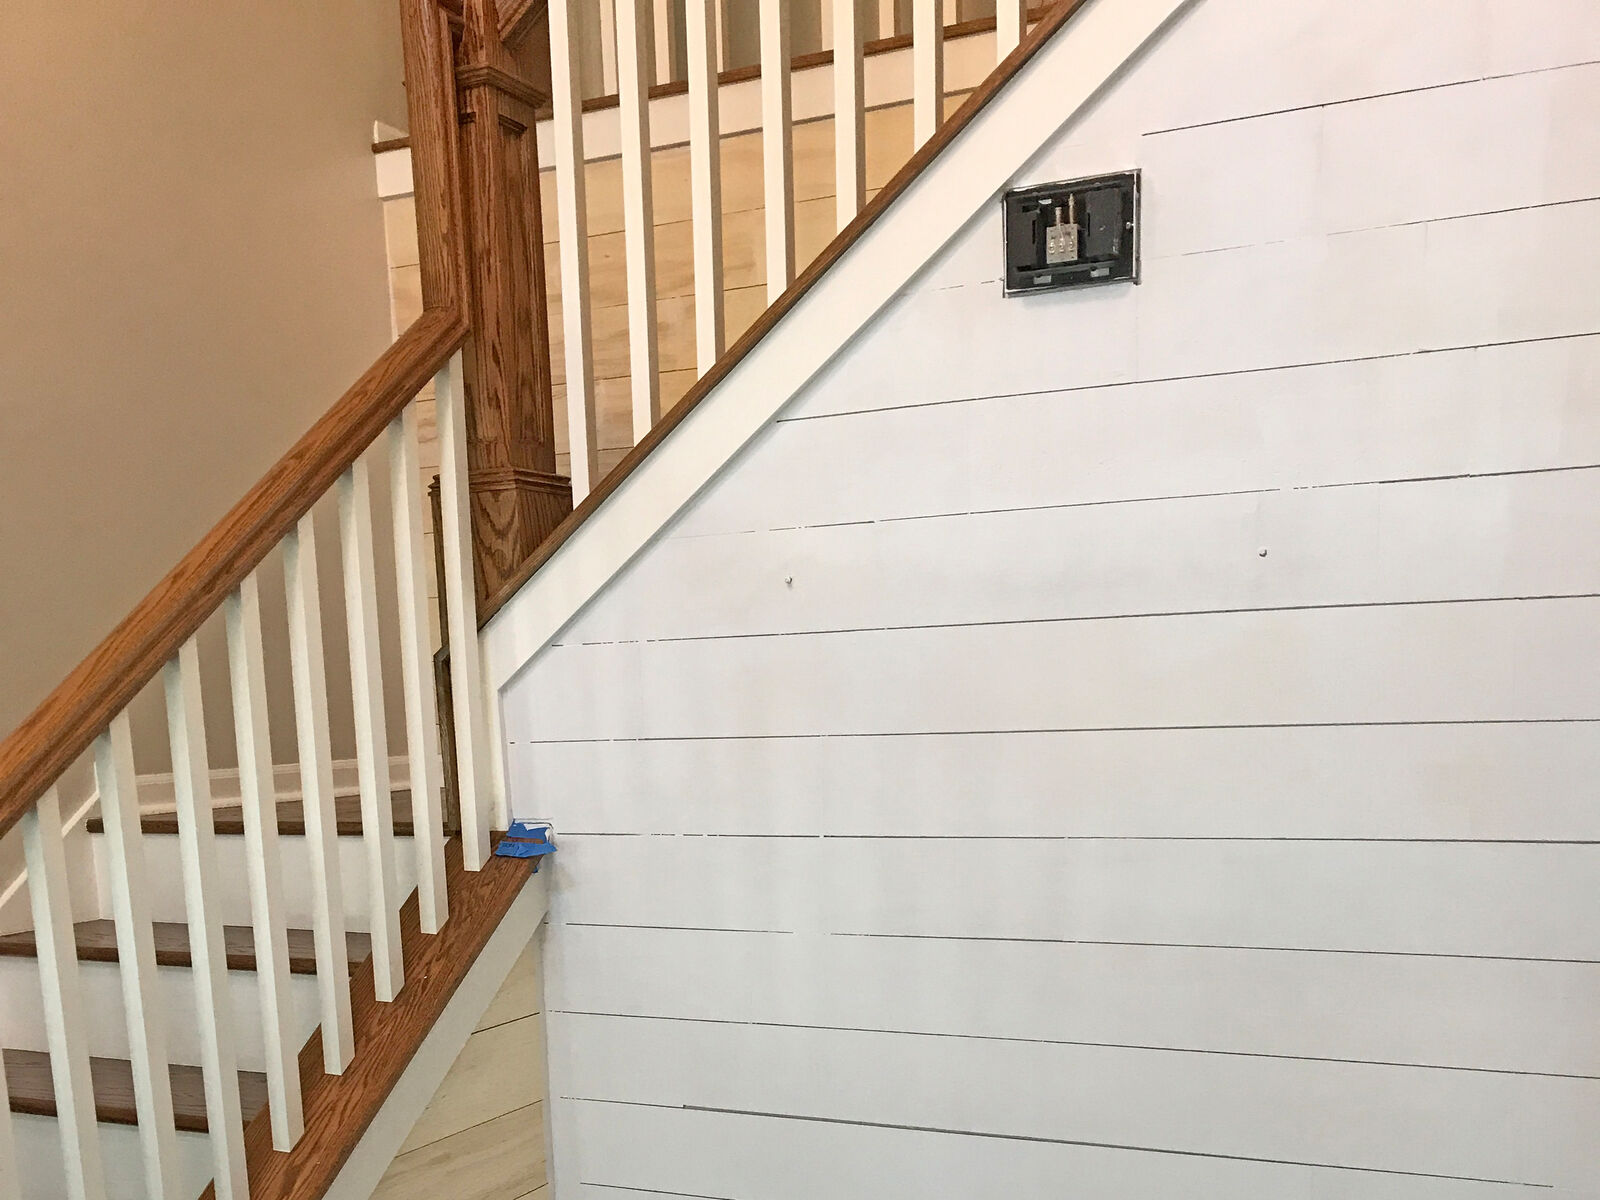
969, 174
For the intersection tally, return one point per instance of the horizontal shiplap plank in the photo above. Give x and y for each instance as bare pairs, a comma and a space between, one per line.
1515, 781
1524, 660
1519, 901
1528, 535
1374, 162
1443, 284
1442, 1012
1502, 408
1475, 1126
677, 1152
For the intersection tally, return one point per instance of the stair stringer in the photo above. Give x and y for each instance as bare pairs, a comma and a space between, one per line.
372, 1155
1048, 93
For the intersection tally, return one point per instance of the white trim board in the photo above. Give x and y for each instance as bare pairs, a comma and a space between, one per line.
886, 82
1044, 96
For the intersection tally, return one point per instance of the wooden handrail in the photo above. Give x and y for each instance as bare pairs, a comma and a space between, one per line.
105, 682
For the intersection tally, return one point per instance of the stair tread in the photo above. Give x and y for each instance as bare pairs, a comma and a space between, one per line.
339, 1107
33, 1090
229, 818
97, 942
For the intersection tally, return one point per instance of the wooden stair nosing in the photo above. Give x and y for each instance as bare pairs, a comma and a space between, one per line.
228, 819
33, 1090
96, 941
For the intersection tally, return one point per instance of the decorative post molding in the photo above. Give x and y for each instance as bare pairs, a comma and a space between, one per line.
517, 498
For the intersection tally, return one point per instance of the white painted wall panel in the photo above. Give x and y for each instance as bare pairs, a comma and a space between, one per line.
1376, 1008
1377, 897
1524, 407
1393, 290
740, 1157
1465, 1125
1482, 538
954, 800
1501, 660
1486, 146
1502, 781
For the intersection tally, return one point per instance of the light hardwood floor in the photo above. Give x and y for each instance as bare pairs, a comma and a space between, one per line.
482, 1135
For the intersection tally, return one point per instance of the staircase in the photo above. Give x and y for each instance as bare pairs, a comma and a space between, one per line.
270, 987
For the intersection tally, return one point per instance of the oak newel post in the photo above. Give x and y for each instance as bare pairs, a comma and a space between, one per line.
517, 497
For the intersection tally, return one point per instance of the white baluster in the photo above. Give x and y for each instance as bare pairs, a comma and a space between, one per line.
413, 568
191, 775
952, 12
304, 596
473, 769
1010, 24
63, 998
849, 128
777, 146
573, 221
258, 801
705, 173
10, 1176
372, 732
638, 228
927, 70
136, 955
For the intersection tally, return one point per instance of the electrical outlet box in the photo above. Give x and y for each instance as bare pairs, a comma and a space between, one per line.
1063, 235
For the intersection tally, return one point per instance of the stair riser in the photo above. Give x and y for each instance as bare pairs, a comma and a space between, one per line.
166, 878
22, 1016
44, 1176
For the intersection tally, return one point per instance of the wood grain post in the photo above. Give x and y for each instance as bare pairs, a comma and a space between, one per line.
517, 498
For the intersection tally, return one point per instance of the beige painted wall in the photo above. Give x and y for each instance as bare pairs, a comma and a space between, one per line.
191, 271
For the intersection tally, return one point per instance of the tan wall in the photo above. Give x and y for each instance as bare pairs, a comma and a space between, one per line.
191, 271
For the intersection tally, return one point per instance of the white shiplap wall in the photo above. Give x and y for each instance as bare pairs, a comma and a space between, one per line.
1140, 743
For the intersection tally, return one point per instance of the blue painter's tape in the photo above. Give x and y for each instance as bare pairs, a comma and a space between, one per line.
510, 849
526, 839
